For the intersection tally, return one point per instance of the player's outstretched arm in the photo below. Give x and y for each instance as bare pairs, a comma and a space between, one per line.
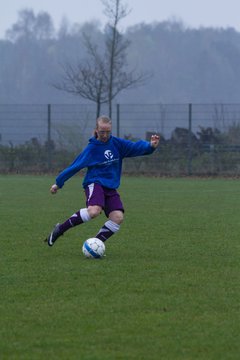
154, 140
54, 188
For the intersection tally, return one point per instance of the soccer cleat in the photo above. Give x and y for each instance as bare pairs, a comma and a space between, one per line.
54, 235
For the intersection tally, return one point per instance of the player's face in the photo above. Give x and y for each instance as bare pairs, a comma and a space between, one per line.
104, 131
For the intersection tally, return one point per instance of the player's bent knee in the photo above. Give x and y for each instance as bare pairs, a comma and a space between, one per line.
94, 211
116, 216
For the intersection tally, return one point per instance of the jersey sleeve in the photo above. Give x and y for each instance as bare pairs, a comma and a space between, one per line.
81, 161
131, 149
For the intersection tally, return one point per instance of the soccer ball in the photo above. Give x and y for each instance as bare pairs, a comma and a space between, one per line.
93, 248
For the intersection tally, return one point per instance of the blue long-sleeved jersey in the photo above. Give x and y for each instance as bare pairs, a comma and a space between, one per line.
104, 161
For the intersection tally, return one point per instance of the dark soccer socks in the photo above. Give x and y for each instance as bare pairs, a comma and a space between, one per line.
78, 218
108, 229
81, 216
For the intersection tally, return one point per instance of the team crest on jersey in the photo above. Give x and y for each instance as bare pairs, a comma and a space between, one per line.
108, 154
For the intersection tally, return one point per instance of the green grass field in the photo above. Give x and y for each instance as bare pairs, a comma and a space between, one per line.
169, 287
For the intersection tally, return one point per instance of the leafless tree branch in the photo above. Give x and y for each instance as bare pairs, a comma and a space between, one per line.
102, 76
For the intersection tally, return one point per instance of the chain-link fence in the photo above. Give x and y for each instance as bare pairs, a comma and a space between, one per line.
201, 139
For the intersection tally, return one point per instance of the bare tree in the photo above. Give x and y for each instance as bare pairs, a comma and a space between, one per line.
103, 75
87, 79
115, 45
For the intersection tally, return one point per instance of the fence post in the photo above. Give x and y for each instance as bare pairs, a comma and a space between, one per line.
189, 139
118, 120
49, 140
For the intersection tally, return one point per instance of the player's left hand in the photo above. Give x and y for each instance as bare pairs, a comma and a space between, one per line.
154, 140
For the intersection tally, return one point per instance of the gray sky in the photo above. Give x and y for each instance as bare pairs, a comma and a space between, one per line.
193, 13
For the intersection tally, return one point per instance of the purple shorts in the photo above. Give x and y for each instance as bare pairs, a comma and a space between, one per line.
108, 199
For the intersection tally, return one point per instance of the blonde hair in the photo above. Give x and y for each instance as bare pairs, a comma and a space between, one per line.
105, 119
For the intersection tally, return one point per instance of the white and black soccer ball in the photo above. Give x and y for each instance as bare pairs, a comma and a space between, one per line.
93, 248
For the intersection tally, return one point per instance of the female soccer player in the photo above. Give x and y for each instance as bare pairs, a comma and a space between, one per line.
103, 159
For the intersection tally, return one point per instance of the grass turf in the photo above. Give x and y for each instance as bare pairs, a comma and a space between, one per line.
167, 289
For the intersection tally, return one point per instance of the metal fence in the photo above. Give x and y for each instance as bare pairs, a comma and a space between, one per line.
196, 138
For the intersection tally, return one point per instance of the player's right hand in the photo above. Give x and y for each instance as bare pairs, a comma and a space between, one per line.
54, 188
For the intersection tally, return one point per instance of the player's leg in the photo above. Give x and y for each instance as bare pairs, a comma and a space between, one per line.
94, 203
80, 217
77, 218
115, 212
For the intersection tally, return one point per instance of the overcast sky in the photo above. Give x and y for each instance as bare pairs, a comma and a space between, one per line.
193, 13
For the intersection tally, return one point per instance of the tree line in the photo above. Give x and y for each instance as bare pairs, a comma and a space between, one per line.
186, 65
